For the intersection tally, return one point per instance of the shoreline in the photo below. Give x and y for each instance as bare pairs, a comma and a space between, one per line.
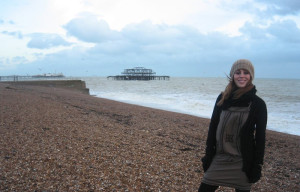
200, 95
58, 139
178, 111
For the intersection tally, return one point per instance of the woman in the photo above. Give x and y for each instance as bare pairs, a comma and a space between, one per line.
236, 137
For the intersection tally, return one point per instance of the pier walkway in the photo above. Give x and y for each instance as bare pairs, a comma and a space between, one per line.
29, 77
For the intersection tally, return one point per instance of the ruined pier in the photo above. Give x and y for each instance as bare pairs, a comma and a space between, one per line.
139, 73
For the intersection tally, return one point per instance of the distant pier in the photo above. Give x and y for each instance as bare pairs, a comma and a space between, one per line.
140, 74
31, 77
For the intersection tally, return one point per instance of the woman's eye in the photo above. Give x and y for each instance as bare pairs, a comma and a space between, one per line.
246, 72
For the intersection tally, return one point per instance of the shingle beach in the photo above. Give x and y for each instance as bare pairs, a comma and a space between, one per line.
55, 139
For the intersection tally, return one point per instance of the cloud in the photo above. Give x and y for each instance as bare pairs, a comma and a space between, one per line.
89, 29
273, 48
45, 41
19, 59
252, 31
11, 22
286, 7
16, 34
184, 51
146, 32
40, 40
176, 50
6, 63
285, 30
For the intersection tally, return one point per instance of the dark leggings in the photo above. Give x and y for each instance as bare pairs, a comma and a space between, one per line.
210, 188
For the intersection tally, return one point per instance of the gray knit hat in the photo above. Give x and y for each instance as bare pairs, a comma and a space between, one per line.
242, 64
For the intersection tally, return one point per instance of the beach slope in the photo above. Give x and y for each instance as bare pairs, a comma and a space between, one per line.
54, 139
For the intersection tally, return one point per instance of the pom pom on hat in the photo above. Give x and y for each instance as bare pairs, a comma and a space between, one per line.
242, 64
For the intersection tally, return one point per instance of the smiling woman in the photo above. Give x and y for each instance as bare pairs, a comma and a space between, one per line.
236, 137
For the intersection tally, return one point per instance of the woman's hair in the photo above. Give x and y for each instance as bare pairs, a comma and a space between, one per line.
232, 89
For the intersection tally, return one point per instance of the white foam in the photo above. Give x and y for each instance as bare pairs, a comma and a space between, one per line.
196, 96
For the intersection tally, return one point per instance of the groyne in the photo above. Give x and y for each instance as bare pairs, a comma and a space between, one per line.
77, 85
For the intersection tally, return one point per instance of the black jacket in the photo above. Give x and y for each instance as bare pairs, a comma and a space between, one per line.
252, 133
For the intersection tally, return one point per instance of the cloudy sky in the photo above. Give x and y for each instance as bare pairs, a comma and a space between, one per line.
195, 38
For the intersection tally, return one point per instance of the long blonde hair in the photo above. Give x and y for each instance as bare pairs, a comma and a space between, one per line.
231, 88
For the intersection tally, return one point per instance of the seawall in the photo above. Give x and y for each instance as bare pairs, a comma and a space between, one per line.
77, 85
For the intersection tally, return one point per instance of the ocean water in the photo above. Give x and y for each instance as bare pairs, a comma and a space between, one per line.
197, 96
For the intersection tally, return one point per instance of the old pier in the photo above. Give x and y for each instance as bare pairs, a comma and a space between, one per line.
138, 73
46, 76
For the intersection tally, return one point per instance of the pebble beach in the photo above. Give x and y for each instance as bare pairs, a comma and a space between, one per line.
55, 139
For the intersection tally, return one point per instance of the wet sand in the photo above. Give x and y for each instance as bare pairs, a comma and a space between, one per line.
53, 139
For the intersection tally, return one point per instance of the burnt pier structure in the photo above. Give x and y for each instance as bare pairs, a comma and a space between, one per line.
138, 73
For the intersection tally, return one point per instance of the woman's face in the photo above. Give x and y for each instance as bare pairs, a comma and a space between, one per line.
241, 78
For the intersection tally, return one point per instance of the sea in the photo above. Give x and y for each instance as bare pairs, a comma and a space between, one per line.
197, 96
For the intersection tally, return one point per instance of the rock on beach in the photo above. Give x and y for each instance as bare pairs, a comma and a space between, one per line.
55, 139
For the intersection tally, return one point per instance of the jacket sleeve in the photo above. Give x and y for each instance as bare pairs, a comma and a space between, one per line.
260, 133
260, 139
210, 149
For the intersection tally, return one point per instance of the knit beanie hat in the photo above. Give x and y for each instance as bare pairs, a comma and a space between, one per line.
242, 64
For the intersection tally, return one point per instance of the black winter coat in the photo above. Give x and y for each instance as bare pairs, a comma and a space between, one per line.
252, 133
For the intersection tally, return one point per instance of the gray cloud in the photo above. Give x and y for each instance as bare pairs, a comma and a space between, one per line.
45, 41
11, 22
90, 29
16, 34
286, 31
282, 7
173, 50
145, 33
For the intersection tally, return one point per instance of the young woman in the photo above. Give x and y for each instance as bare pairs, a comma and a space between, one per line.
236, 137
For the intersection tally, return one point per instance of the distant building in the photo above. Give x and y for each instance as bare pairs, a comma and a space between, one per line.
138, 73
